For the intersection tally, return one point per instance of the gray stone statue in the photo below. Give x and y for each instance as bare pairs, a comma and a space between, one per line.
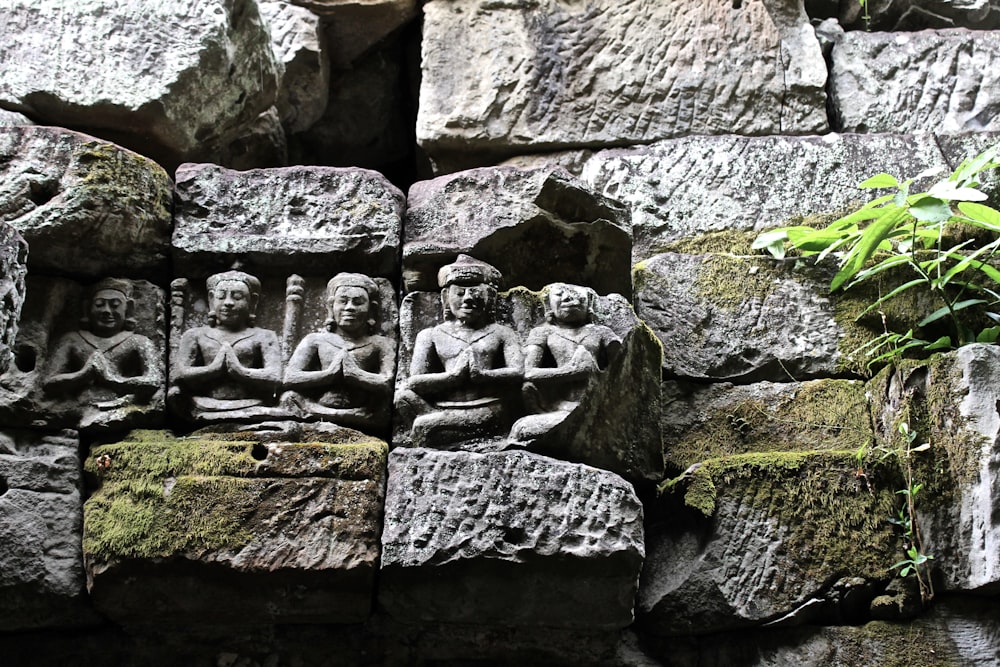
229, 370
461, 369
344, 374
562, 357
105, 365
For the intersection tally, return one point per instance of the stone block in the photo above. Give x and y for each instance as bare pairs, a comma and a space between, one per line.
536, 226
709, 421
925, 81
235, 528
511, 77
509, 539
354, 27
766, 538
86, 207
175, 94
302, 219
41, 565
88, 356
686, 187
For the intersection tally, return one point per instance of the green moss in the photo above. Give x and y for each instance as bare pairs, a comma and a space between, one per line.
162, 496
893, 645
728, 281
835, 523
728, 241
818, 415
124, 181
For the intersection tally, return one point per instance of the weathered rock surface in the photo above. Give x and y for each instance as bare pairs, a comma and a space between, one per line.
13, 118
512, 539
300, 45
227, 530
174, 82
536, 226
682, 187
702, 422
505, 78
86, 207
927, 81
741, 319
786, 538
50, 344
41, 566
303, 219
959, 516
13, 267
354, 26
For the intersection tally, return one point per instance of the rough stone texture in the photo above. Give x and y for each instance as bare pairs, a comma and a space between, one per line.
262, 143
786, 538
299, 43
927, 81
536, 226
175, 81
13, 267
51, 312
702, 422
742, 319
302, 219
951, 402
355, 26
234, 531
504, 78
368, 119
41, 567
85, 207
13, 118
907, 15
682, 187
512, 539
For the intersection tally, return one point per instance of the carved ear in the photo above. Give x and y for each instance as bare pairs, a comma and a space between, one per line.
129, 314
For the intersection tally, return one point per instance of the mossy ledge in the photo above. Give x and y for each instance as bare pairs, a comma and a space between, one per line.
836, 520
162, 496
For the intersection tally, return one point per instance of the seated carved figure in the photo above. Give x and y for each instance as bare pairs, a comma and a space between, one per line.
105, 365
461, 369
229, 369
562, 356
344, 374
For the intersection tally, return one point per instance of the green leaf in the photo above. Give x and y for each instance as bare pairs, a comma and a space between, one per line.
988, 335
986, 216
942, 343
953, 191
944, 310
930, 209
773, 241
871, 238
882, 180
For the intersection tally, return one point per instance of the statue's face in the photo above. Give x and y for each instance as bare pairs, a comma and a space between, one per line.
350, 307
231, 302
107, 312
568, 304
469, 303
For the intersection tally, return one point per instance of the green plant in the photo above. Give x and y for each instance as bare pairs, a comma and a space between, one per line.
913, 239
916, 561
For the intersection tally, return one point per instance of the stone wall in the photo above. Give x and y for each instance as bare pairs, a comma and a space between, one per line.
260, 406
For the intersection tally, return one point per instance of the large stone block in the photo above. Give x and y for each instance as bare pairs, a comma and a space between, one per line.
708, 421
173, 81
300, 45
685, 187
104, 370
742, 319
355, 26
13, 268
537, 226
85, 206
951, 401
41, 566
518, 77
511, 539
237, 528
303, 219
925, 81
787, 537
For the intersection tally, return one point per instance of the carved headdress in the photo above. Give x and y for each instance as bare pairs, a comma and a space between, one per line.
469, 271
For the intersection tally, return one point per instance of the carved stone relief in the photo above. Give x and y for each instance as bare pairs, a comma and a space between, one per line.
13, 261
323, 351
87, 356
